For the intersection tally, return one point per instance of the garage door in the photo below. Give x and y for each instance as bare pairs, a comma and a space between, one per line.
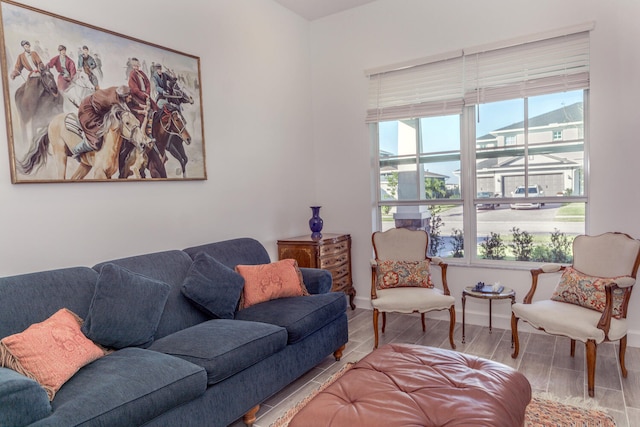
486, 184
552, 183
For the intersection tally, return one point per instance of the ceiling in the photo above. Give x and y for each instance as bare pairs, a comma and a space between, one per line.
315, 9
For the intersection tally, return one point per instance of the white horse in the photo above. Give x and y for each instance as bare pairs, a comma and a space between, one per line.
79, 89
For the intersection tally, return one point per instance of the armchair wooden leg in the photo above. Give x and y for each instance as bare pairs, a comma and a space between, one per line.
591, 366
424, 327
452, 325
621, 353
573, 348
384, 321
375, 327
514, 336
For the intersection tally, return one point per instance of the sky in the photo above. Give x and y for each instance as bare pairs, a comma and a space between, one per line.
441, 134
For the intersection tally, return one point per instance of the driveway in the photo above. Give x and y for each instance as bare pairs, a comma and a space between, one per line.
502, 220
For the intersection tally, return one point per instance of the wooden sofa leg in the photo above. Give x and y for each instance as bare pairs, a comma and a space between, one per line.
338, 353
514, 336
250, 417
591, 366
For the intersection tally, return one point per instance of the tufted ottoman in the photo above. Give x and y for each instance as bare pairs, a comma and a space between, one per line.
410, 385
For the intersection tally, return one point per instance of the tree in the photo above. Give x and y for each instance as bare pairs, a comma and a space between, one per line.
434, 188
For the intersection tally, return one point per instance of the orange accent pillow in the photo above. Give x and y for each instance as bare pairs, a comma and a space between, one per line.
51, 351
265, 282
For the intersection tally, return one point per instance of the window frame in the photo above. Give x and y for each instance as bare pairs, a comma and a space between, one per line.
468, 183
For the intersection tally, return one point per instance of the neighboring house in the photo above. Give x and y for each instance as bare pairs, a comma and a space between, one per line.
556, 151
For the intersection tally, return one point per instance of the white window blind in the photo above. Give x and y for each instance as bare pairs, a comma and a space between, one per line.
559, 64
512, 69
420, 91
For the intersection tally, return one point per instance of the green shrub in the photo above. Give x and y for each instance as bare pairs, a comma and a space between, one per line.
493, 247
458, 243
436, 241
522, 245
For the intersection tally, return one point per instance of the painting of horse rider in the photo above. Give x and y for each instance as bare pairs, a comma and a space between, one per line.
73, 116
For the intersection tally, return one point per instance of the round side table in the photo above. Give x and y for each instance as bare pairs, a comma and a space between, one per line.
507, 293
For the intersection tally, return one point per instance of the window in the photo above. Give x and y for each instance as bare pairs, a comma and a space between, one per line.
498, 176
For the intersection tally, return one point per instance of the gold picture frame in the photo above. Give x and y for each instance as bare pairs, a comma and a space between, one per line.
85, 104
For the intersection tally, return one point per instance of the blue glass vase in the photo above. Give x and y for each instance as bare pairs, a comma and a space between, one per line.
316, 223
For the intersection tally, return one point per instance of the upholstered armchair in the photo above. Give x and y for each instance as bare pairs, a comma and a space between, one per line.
589, 303
401, 278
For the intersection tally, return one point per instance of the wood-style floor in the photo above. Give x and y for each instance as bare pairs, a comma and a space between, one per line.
543, 359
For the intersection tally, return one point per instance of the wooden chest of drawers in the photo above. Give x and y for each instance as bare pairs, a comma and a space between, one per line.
331, 252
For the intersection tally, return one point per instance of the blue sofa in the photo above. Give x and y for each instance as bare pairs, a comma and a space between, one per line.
198, 371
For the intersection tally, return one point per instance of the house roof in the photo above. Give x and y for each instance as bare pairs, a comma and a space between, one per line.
566, 114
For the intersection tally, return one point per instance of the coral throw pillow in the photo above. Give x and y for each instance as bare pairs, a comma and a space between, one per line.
265, 282
403, 274
587, 291
51, 351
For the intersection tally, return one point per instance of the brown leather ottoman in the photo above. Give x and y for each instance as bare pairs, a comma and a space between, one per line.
410, 385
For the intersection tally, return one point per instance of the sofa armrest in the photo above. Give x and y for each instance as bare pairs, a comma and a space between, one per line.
22, 400
317, 281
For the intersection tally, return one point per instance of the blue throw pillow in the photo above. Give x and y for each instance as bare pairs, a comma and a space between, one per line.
213, 287
126, 308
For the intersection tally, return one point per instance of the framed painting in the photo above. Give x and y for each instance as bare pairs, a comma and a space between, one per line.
87, 104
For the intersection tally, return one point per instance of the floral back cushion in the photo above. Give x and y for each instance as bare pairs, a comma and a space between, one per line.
402, 274
587, 291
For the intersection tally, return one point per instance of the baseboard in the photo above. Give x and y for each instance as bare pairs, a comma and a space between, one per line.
501, 321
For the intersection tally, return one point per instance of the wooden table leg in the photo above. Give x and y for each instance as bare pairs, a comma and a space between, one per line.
490, 314
464, 300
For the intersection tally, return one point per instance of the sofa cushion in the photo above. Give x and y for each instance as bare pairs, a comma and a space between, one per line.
232, 252
300, 316
265, 282
46, 292
49, 352
127, 387
170, 267
22, 400
213, 287
223, 347
126, 308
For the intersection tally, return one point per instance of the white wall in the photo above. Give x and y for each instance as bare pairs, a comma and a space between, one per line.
391, 31
257, 119
284, 105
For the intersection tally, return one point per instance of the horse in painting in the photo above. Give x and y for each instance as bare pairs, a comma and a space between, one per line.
79, 89
37, 101
119, 123
166, 126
